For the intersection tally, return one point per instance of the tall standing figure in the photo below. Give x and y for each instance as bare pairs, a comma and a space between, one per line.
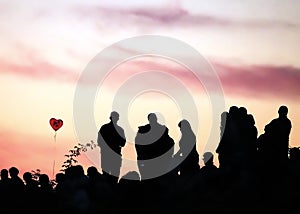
154, 148
111, 139
188, 155
278, 141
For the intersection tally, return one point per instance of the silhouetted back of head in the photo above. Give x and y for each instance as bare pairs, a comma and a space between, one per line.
13, 171
283, 111
92, 171
250, 119
4, 174
78, 170
27, 176
243, 111
234, 112
59, 177
44, 180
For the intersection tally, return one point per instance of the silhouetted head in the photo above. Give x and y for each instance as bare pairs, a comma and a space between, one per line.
184, 125
13, 171
44, 180
242, 111
152, 118
250, 119
59, 177
267, 128
74, 172
4, 174
27, 176
208, 158
234, 112
283, 111
78, 170
92, 171
114, 116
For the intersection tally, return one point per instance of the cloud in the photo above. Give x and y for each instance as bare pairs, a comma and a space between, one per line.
259, 80
38, 69
167, 16
255, 80
242, 80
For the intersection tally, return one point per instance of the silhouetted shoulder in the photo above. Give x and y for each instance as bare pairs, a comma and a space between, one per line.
144, 129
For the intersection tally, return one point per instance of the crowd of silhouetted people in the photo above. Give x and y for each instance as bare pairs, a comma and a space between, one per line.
255, 173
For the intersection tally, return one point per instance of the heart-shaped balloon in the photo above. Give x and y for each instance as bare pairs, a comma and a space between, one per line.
56, 123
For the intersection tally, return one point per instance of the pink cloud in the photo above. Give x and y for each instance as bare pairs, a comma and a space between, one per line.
167, 15
242, 80
260, 80
39, 69
239, 80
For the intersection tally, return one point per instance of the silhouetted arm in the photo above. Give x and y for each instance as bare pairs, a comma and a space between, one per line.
100, 139
122, 137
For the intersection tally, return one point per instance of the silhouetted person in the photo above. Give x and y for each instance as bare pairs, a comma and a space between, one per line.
224, 148
93, 173
30, 183
4, 178
78, 196
273, 150
111, 139
129, 191
94, 181
16, 186
207, 180
247, 148
280, 129
46, 194
16, 181
154, 148
101, 192
188, 155
274, 143
31, 191
60, 179
5, 186
264, 145
221, 149
61, 192
208, 160
237, 149
233, 126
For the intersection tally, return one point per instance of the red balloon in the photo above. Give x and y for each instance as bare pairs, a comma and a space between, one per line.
56, 123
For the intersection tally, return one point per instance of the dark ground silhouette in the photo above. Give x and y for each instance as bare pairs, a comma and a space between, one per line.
256, 174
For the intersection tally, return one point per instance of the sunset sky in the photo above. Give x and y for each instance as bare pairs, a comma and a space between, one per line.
253, 46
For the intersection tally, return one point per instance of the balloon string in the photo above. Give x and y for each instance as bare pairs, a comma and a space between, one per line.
53, 168
55, 137
53, 173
